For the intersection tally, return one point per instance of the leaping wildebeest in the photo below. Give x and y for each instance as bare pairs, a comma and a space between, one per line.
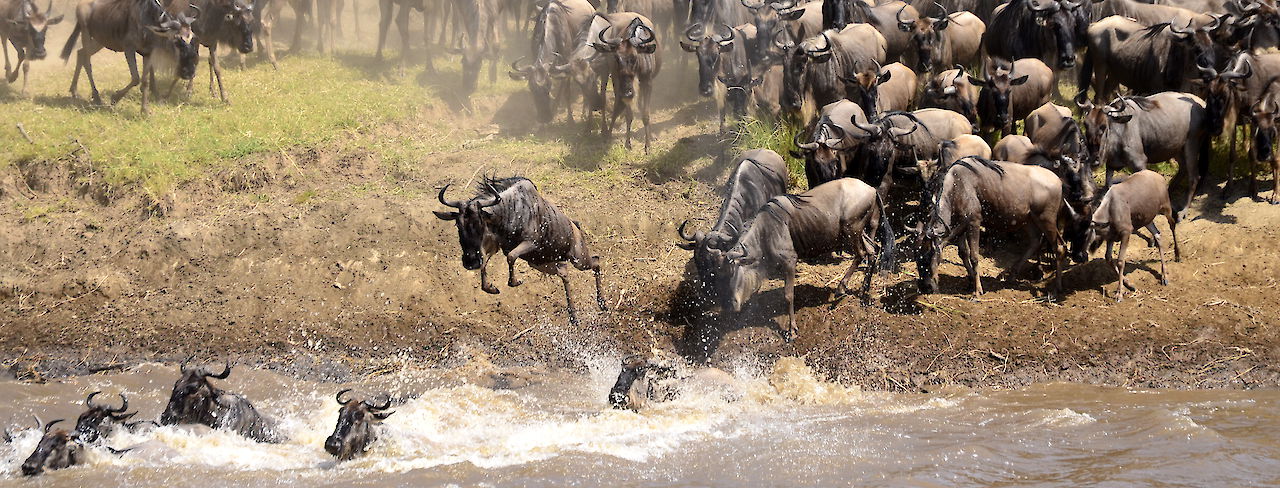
132, 27
24, 26
643, 380
196, 401
837, 216
227, 22
975, 192
632, 42
510, 215
357, 427
761, 174
1127, 206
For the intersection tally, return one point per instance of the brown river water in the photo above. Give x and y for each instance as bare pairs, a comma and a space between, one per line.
786, 429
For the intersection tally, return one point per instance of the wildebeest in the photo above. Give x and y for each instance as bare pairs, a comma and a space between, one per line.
1048, 30
509, 214
886, 17
1157, 58
838, 216
399, 11
24, 26
1127, 206
1238, 87
827, 153
722, 55
975, 192
101, 420
56, 450
956, 149
737, 74
1145, 130
132, 27
948, 40
478, 40
761, 174
643, 380
813, 68
633, 44
1264, 114
223, 22
558, 26
901, 139
357, 427
712, 12
1042, 123
196, 401
886, 89
952, 90
1151, 13
1008, 95
767, 92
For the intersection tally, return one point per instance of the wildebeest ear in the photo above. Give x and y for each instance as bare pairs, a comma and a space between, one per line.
1120, 119
1019, 80
746, 260
689, 48
648, 48
688, 246
821, 58
792, 15
884, 77
446, 215
382, 415
53, 21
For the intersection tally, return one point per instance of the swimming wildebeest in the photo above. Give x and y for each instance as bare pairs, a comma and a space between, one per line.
132, 27
509, 214
1127, 206
24, 26
975, 192
101, 420
948, 40
558, 26
633, 44
760, 175
227, 22
838, 216
56, 450
644, 379
196, 401
1146, 130
357, 427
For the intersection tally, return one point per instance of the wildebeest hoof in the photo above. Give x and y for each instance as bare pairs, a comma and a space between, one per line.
789, 336
1164, 281
514, 282
603, 306
490, 289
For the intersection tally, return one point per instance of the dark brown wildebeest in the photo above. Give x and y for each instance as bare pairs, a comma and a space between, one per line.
24, 26
632, 43
357, 427
899, 140
1048, 30
1010, 94
812, 69
101, 420
510, 215
227, 22
952, 90
56, 450
722, 54
1127, 206
885, 17
558, 25
837, 216
196, 401
643, 380
399, 10
479, 39
830, 147
1158, 58
761, 174
132, 27
879, 90
1237, 88
948, 40
1146, 130
1264, 114
975, 192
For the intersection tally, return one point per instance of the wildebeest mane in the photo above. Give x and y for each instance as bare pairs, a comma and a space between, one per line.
732, 206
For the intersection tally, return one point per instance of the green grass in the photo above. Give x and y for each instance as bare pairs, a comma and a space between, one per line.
757, 133
308, 102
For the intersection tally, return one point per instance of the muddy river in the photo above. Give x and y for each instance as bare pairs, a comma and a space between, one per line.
787, 429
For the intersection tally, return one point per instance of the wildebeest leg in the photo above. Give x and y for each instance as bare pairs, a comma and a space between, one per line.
1231, 160
1173, 234
513, 255
561, 269
789, 292
26, 71
4, 46
969, 255
148, 83
848, 273
645, 91
402, 25
268, 46
216, 68
86, 59
134, 78
1037, 246
484, 276
1275, 180
384, 24
1119, 265
1155, 234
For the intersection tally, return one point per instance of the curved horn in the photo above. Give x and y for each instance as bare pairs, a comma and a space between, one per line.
692, 33
497, 198
50, 425
1052, 6
88, 401
338, 397
515, 65
1212, 26
649, 36
782, 45
946, 14
1180, 32
868, 128
901, 21
1206, 71
748, 4
384, 406
448, 203
226, 371
897, 132
826, 46
732, 33
680, 231
838, 141
124, 404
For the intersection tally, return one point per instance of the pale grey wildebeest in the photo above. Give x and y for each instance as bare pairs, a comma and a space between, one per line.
975, 192
558, 25
1127, 206
195, 400
761, 174
1141, 131
24, 26
132, 27
837, 216
509, 214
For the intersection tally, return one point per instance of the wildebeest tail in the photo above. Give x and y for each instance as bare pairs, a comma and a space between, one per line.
71, 43
887, 260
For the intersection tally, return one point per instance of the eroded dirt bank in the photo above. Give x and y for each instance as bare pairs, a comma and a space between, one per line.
328, 262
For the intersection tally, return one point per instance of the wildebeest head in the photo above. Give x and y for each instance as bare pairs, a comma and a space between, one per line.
863, 87
953, 91
743, 272
881, 141
637, 383
1095, 123
926, 36
472, 220
177, 30
540, 76
708, 256
815, 50
1221, 89
637, 39
100, 420
995, 95
192, 399
355, 430
240, 17
1068, 22
766, 17
29, 28
56, 450
825, 152
1264, 114
708, 46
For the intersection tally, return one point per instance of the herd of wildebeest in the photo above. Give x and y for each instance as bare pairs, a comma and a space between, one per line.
893, 104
